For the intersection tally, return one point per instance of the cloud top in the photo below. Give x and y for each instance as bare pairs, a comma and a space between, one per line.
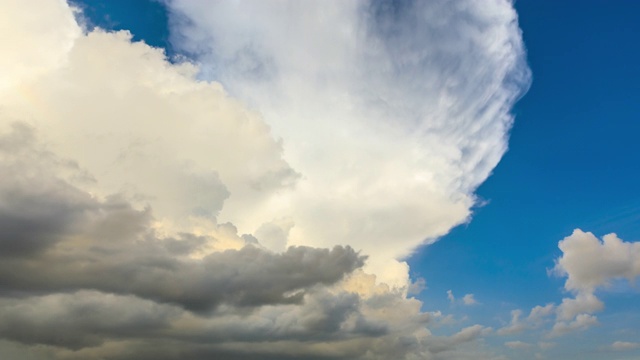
392, 112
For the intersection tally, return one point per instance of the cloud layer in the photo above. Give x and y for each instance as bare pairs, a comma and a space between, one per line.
148, 214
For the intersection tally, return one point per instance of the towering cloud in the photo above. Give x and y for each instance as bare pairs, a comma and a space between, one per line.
146, 212
393, 112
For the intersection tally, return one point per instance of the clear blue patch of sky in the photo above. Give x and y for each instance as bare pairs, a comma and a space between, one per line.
147, 20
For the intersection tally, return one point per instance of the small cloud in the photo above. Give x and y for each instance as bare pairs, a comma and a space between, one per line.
517, 345
581, 322
450, 296
590, 263
624, 345
468, 299
540, 312
516, 326
417, 286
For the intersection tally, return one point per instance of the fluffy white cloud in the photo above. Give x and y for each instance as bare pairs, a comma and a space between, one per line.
590, 264
122, 172
535, 319
469, 299
392, 112
51, 26
581, 322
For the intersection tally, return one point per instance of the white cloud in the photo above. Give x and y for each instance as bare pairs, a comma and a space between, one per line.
538, 313
450, 296
469, 299
133, 193
583, 303
393, 113
515, 326
536, 318
625, 345
590, 264
470, 333
55, 33
581, 322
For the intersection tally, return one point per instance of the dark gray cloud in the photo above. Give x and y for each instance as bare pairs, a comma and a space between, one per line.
58, 238
88, 278
78, 272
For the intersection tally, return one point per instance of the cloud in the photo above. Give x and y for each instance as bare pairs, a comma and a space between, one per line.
97, 281
516, 325
517, 345
392, 112
538, 313
469, 299
624, 346
466, 300
465, 335
590, 264
71, 239
146, 213
581, 322
537, 316
21, 61
450, 296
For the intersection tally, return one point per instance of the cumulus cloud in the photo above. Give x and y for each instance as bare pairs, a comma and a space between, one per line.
537, 316
580, 322
590, 264
469, 299
148, 214
85, 277
392, 112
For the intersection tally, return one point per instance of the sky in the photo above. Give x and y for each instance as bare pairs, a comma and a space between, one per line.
319, 180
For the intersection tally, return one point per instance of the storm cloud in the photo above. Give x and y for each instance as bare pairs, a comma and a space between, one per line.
256, 205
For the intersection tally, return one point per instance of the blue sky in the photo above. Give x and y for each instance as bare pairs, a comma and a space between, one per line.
571, 163
571, 155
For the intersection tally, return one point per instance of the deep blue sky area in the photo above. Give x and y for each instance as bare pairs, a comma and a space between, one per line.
572, 163
146, 19
573, 159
